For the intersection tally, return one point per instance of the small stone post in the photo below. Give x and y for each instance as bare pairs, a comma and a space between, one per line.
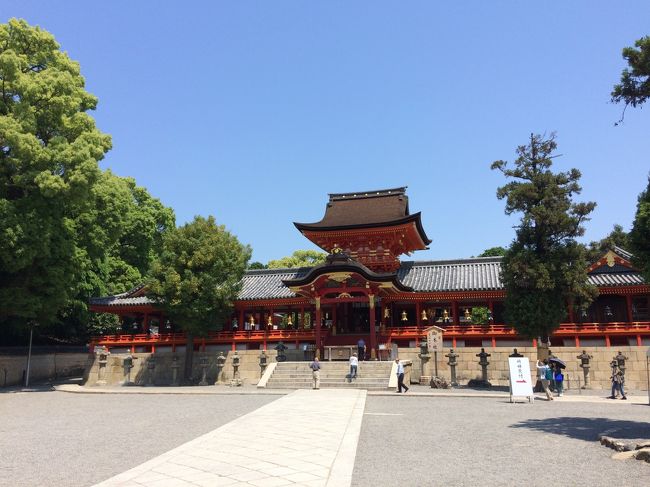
151, 368
221, 361
620, 361
204, 370
236, 381
483, 382
585, 365
515, 353
453, 362
128, 365
102, 360
175, 367
424, 358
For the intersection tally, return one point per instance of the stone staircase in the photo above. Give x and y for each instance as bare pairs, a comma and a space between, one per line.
297, 375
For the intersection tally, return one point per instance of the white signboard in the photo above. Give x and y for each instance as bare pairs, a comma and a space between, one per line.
521, 384
434, 339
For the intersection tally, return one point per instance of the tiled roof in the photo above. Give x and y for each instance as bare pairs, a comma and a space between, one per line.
267, 283
132, 297
623, 253
481, 273
616, 279
476, 274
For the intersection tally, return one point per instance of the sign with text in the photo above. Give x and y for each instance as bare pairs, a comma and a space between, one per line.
521, 383
434, 338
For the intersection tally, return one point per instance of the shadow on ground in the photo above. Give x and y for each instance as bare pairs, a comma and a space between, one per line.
588, 429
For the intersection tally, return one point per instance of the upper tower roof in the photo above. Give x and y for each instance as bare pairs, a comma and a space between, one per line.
373, 227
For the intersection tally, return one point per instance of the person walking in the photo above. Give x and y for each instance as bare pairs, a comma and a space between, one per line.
400, 377
618, 379
545, 373
354, 364
559, 380
315, 372
361, 349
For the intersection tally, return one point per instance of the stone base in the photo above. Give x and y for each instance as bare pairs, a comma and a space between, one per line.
479, 383
438, 383
235, 382
425, 379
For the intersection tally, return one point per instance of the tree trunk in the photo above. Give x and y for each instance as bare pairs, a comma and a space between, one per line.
189, 355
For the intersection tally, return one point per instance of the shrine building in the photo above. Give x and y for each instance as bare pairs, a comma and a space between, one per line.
365, 291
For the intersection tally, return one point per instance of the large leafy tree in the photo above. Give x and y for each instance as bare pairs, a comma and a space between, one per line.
300, 258
118, 238
493, 252
197, 277
640, 233
49, 153
544, 268
634, 88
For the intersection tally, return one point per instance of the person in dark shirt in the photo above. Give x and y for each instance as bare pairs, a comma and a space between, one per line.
315, 372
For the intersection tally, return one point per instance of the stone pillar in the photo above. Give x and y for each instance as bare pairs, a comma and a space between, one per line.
585, 364
453, 362
221, 361
204, 370
102, 360
151, 369
175, 367
373, 332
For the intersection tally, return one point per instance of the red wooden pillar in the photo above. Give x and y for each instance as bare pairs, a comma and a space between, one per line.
534, 342
639, 342
494, 342
334, 316
628, 302
570, 313
145, 323
491, 308
373, 332
453, 342
577, 341
608, 342
454, 311
317, 326
302, 317
240, 325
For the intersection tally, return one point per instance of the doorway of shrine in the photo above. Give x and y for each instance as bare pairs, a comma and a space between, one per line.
347, 319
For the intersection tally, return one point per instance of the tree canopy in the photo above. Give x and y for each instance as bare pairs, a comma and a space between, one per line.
634, 88
493, 252
544, 269
197, 276
49, 153
616, 238
640, 233
300, 258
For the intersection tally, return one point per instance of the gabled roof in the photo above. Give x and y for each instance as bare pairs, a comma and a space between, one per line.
366, 209
132, 297
480, 273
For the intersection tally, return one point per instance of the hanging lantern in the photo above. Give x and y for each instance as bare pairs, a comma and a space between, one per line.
424, 316
404, 316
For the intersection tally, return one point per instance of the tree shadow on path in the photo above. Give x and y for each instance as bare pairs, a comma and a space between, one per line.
588, 429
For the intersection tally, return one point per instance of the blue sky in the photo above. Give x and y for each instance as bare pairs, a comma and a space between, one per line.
253, 111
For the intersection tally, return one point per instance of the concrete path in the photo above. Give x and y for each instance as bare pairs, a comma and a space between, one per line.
307, 438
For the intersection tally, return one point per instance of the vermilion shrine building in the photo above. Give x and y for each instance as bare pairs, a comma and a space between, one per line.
363, 290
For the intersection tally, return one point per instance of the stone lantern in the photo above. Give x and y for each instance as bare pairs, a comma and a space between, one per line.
175, 366
235, 381
453, 362
263, 362
221, 362
203, 361
102, 354
585, 364
151, 370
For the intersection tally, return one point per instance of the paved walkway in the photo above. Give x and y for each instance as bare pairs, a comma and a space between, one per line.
307, 438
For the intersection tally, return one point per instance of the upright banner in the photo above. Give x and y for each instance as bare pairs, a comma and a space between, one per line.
521, 384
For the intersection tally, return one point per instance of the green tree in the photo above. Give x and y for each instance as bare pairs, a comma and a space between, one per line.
493, 252
197, 277
480, 315
118, 239
640, 233
300, 258
634, 88
257, 265
544, 268
616, 238
49, 153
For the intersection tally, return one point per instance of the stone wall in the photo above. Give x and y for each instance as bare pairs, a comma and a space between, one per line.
469, 368
249, 369
47, 366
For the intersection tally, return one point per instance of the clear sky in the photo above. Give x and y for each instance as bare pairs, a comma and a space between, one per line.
253, 111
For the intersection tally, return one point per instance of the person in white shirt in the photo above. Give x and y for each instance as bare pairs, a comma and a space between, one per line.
354, 364
543, 373
400, 377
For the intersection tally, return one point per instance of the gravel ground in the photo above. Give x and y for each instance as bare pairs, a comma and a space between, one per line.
422, 441
60, 439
